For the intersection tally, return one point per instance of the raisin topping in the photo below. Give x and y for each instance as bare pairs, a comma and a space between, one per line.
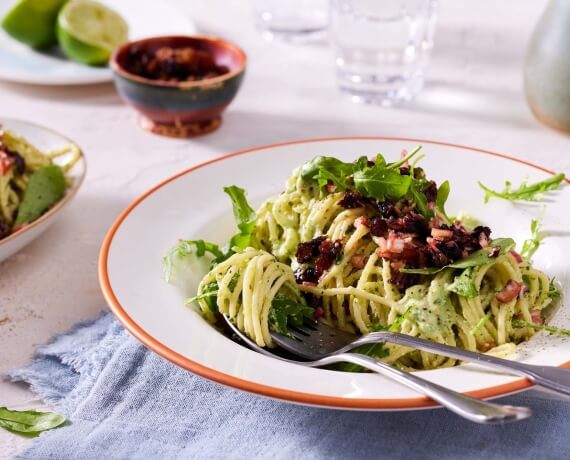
352, 200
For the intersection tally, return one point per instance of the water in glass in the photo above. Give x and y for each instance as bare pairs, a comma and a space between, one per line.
382, 47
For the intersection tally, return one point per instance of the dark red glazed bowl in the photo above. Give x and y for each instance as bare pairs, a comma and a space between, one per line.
180, 109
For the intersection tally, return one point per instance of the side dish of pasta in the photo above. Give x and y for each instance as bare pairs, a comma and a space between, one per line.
367, 246
30, 181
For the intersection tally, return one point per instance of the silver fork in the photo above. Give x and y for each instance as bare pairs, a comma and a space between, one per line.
313, 341
470, 408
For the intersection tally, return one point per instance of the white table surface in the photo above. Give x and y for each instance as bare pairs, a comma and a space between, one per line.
473, 96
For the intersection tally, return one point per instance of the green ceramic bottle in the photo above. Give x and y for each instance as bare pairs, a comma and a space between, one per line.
547, 67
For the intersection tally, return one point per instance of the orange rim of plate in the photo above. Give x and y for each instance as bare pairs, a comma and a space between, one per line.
265, 390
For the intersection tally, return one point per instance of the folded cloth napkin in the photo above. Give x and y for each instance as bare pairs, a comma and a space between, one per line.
125, 402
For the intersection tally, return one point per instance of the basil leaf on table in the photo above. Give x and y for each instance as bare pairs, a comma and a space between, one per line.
46, 187
29, 422
480, 257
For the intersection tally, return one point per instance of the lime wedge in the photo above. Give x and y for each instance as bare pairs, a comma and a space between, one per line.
33, 22
88, 31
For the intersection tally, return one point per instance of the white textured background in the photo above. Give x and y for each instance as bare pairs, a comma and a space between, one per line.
473, 96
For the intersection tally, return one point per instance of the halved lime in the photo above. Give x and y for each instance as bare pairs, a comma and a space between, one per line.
33, 22
88, 31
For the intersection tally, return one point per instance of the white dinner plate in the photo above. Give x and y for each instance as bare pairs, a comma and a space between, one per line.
44, 139
193, 205
146, 18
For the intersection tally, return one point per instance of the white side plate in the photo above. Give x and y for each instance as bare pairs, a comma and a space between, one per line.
146, 18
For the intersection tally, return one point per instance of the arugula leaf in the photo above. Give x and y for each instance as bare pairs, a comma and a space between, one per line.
463, 284
442, 195
553, 290
322, 169
244, 215
531, 245
480, 323
381, 183
480, 257
29, 422
525, 192
285, 312
420, 199
375, 350
402, 161
540, 327
210, 295
46, 187
186, 247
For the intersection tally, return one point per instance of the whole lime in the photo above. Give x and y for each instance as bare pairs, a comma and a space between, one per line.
33, 22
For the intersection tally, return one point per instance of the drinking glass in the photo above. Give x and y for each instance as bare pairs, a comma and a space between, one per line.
382, 47
292, 20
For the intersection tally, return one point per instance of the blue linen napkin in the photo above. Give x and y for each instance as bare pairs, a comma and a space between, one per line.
125, 402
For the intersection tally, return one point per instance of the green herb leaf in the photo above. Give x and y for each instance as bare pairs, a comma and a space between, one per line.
481, 323
525, 192
381, 183
244, 215
463, 284
29, 422
554, 291
402, 161
531, 245
480, 257
210, 295
186, 247
285, 312
540, 327
442, 195
46, 187
322, 169
418, 196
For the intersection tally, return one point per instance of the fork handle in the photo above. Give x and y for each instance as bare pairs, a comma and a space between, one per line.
553, 378
467, 407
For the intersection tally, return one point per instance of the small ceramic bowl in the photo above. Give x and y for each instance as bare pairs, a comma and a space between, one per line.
180, 109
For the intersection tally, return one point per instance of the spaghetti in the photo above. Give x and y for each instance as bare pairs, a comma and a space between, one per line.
362, 261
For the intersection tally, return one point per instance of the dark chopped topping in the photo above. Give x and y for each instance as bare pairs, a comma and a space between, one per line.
378, 226
431, 192
352, 200
405, 171
4, 229
308, 251
410, 223
173, 64
328, 253
19, 162
317, 255
402, 280
312, 300
307, 275
387, 209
